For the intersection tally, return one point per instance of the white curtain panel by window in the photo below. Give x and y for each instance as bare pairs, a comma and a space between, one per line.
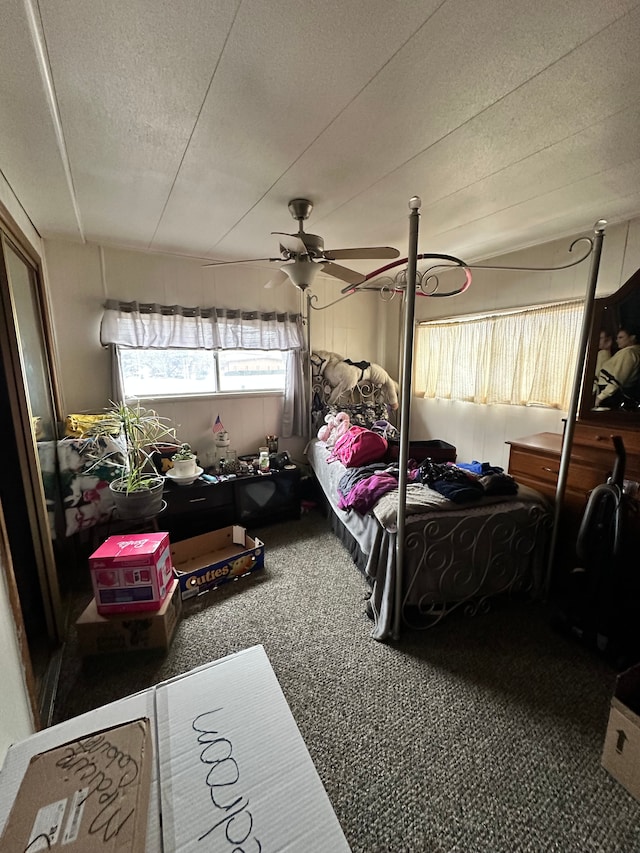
523, 357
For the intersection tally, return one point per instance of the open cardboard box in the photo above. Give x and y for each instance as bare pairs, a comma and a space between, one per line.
621, 752
205, 562
230, 763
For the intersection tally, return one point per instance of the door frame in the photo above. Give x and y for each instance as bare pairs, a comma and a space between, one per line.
47, 570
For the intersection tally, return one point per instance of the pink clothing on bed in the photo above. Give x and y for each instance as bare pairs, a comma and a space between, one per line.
366, 492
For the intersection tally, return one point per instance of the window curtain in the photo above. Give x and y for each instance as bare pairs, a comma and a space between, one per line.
524, 357
153, 326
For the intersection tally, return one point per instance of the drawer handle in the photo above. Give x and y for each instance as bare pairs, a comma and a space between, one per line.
550, 470
196, 500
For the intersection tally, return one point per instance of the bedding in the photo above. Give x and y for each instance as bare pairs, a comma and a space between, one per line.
454, 555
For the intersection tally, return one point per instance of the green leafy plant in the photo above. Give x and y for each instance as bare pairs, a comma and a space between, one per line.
184, 453
136, 432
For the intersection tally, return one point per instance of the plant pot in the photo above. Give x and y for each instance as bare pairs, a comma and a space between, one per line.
143, 503
185, 467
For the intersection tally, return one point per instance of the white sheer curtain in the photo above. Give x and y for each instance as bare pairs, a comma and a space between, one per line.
153, 326
522, 357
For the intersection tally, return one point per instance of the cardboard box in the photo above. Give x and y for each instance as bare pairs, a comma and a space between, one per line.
16, 762
205, 562
131, 573
126, 632
231, 763
621, 752
89, 794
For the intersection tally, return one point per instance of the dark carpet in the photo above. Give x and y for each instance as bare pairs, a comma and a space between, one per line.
482, 734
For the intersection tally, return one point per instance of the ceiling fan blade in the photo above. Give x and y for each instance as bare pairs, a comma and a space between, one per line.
365, 253
276, 279
244, 261
291, 243
343, 273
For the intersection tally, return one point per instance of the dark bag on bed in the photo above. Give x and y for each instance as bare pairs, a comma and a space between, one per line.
358, 446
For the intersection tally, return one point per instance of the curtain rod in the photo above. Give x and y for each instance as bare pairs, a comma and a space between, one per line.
467, 318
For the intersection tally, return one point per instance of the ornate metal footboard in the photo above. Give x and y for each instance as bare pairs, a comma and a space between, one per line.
454, 563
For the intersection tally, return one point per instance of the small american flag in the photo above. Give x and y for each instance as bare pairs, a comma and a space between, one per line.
218, 426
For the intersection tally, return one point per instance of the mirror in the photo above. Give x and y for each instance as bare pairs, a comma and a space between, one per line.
611, 389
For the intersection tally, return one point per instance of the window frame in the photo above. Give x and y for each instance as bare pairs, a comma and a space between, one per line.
195, 395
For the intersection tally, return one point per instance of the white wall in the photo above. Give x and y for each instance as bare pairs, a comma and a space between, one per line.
16, 721
480, 431
81, 277
363, 326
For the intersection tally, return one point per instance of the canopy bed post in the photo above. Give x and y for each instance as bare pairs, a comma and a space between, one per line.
309, 367
567, 441
407, 357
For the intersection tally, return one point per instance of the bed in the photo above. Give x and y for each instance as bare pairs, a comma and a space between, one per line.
455, 556
424, 560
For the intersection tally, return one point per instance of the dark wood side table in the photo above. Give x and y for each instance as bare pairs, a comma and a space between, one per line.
253, 500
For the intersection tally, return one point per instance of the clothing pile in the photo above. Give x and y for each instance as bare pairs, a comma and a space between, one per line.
360, 488
465, 482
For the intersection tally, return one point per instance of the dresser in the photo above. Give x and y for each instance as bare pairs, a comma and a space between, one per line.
535, 461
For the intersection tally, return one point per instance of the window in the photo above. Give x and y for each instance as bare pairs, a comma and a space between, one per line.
188, 372
172, 350
525, 357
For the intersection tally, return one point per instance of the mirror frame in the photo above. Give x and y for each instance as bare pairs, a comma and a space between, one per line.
606, 314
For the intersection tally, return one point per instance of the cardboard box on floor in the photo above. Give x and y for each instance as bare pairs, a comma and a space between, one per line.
621, 752
126, 632
231, 768
205, 562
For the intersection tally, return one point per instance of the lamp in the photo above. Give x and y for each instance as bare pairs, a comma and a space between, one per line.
302, 273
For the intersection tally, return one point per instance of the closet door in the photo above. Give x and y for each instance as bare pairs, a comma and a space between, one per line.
27, 406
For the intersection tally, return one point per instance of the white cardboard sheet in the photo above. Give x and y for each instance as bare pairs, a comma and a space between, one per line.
231, 771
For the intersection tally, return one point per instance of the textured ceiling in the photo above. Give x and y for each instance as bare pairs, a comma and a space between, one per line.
187, 127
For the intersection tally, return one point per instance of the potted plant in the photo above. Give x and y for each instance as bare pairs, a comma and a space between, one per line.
184, 461
136, 432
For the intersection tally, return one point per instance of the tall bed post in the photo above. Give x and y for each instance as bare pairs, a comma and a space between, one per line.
578, 380
309, 367
415, 204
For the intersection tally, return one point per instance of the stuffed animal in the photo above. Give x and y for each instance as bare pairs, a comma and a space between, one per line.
343, 375
334, 427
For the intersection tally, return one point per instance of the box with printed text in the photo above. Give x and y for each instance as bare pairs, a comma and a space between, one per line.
205, 562
131, 572
129, 632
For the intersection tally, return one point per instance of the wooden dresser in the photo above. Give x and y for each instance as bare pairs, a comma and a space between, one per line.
535, 461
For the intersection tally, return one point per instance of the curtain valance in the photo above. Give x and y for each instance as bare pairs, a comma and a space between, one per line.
153, 326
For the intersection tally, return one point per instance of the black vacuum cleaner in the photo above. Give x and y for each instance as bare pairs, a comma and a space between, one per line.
601, 604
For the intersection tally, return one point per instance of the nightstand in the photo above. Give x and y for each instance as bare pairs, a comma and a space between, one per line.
256, 499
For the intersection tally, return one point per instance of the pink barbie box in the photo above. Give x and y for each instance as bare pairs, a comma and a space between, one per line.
131, 573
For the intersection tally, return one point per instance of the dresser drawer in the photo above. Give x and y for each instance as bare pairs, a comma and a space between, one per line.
198, 497
600, 439
534, 467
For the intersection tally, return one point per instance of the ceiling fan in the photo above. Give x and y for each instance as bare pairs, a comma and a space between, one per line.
304, 254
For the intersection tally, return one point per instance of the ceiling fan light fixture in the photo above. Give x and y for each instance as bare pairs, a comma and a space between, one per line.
302, 273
